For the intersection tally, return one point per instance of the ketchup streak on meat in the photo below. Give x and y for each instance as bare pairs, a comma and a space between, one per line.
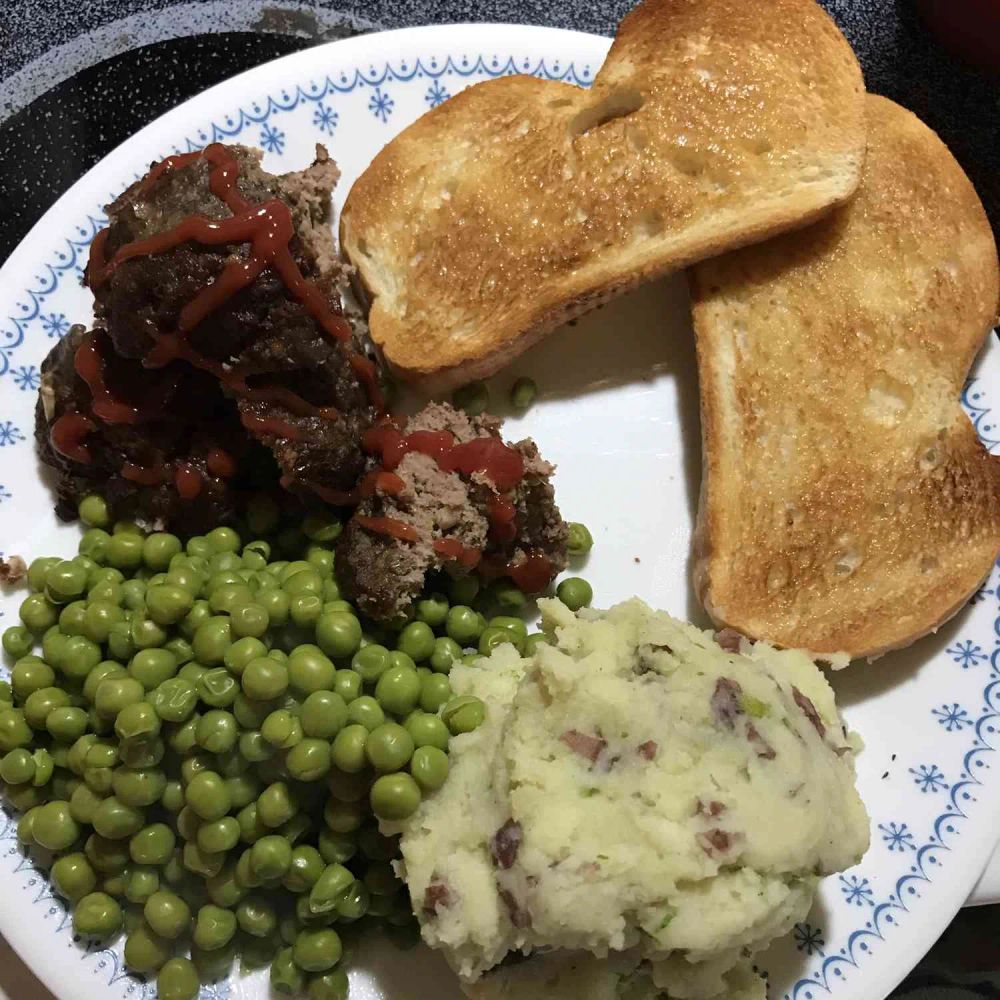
151, 475
389, 526
269, 229
68, 434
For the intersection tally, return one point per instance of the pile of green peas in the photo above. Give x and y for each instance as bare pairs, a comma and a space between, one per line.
201, 738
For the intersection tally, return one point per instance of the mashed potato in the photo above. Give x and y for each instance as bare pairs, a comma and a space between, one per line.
635, 788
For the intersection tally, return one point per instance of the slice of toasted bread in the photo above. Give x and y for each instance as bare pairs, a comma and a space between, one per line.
847, 504
521, 203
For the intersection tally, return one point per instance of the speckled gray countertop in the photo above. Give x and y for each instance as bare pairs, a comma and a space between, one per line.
64, 65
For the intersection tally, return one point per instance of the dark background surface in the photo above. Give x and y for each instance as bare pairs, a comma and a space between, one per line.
77, 78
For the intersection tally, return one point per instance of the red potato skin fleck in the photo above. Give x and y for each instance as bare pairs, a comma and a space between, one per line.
437, 896
805, 703
648, 750
505, 844
589, 747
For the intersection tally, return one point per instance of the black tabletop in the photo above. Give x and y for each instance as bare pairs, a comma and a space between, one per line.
77, 78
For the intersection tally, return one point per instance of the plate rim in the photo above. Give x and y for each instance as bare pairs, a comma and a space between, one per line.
386, 45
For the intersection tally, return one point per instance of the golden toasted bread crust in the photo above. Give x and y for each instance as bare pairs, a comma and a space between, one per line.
521, 203
847, 504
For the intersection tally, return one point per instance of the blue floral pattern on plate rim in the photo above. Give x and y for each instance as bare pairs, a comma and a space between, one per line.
922, 858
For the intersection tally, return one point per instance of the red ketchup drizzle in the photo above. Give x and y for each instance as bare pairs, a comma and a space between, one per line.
188, 480
220, 463
89, 365
67, 436
377, 481
501, 512
269, 229
388, 526
534, 574
452, 548
147, 475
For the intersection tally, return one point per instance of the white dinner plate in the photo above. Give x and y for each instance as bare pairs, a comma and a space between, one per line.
618, 412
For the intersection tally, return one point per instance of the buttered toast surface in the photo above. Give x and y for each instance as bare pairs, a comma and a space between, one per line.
847, 503
521, 203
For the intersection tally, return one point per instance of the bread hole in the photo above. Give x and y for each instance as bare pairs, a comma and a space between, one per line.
688, 161
637, 138
704, 75
950, 267
888, 399
649, 223
847, 562
363, 248
560, 102
619, 103
928, 564
760, 145
778, 574
929, 459
789, 516
581, 216
448, 189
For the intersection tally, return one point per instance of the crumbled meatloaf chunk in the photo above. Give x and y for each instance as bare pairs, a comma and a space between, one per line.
194, 419
260, 362
384, 574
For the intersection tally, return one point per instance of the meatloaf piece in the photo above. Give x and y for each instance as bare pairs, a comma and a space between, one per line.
182, 424
217, 293
277, 360
432, 512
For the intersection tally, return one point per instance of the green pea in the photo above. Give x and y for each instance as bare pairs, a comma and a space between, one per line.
347, 684
14, 729
398, 690
177, 980
508, 596
30, 673
264, 678
152, 845
125, 550
199, 614
214, 927
332, 985
317, 949
251, 714
97, 915
54, 826
23, 798
211, 640
309, 760
223, 540
241, 652
533, 641
446, 653
207, 795
417, 641
286, 977
173, 796
243, 789
17, 767
474, 398
353, 905
93, 511
338, 634
39, 704
168, 603
327, 890
270, 857
256, 917
579, 540
218, 836
429, 767
138, 787
304, 869
463, 625
348, 750
141, 884
323, 715
365, 711
493, 636
463, 714
575, 593
146, 634
174, 699
65, 581
38, 613
203, 863
276, 604
389, 747
276, 805
394, 796
73, 876
114, 693
281, 729
321, 526
138, 719
427, 730
309, 670
114, 820
159, 548
217, 731
522, 393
